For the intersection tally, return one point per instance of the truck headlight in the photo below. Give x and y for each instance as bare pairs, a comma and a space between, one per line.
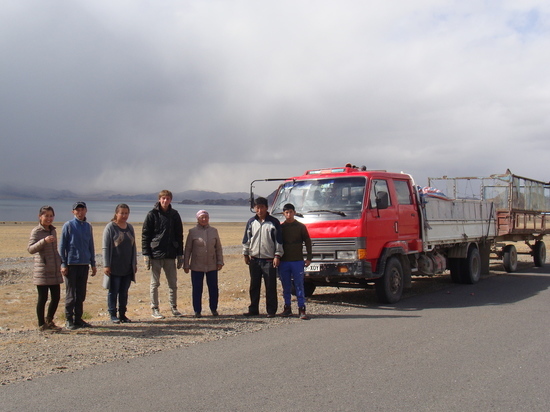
346, 255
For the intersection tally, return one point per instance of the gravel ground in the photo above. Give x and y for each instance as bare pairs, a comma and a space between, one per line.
28, 354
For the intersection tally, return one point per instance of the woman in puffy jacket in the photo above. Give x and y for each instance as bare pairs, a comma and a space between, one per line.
204, 256
47, 268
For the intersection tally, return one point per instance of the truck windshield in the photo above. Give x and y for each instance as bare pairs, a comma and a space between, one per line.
339, 197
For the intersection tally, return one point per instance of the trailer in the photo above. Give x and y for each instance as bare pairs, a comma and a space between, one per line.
521, 207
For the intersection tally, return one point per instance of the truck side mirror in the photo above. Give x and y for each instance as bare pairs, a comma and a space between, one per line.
382, 200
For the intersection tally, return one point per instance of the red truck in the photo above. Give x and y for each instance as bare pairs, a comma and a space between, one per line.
372, 227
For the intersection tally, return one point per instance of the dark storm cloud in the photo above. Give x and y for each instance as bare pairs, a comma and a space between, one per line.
131, 96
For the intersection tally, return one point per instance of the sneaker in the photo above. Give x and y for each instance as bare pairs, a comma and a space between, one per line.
114, 319
52, 326
43, 328
70, 325
287, 311
124, 319
215, 313
303, 315
82, 324
176, 312
156, 314
271, 315
197, 315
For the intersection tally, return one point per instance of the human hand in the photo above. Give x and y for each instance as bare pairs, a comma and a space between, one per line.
186, 270
147, 262
49, 239
107, 271
180, 262
276, 261
94, 270
307, 263
247, 259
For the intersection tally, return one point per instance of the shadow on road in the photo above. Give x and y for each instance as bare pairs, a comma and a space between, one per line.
497, 288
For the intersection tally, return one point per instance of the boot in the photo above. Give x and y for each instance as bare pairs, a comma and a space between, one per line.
287, 311
123, 318
303, 315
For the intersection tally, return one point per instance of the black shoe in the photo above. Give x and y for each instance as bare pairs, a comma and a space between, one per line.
114, 319
249, 314
287, 311
271, 315
124, 319
82, 324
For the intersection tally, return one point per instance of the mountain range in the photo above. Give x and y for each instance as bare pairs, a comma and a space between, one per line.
186, 197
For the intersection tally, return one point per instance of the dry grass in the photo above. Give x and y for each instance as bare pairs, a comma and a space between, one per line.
18, 296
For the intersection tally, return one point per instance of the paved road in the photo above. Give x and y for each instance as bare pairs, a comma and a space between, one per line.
465, 348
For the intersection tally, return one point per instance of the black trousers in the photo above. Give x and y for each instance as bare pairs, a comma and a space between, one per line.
55, 294
263, 269
75, 288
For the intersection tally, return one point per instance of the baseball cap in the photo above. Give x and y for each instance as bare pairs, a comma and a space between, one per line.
79, 204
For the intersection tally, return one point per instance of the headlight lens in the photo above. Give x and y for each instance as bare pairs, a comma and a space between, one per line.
346, 255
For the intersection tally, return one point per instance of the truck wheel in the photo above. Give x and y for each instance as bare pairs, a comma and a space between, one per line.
471, 266
454, 268
309, 288
389, 287
539, 254
510, 258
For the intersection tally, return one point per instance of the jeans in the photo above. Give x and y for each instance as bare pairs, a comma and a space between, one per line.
197, 281
169, 267
262, 269
118, 290
290, 272
75, 288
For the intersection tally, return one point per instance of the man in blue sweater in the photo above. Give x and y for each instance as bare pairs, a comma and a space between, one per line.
77, 255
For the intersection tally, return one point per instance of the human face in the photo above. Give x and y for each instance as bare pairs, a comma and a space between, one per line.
165, 202
289, 215
261, 211
80, 213
46, 218
122, 215
203, 219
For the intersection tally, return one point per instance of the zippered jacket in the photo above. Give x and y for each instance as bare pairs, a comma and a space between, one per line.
162, 234
263, 240
203, 249
77, 243
47, 262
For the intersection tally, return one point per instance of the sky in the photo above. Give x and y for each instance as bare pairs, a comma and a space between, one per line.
136, 96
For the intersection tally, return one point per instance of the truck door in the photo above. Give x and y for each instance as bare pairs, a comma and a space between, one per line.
380, 222
407, 212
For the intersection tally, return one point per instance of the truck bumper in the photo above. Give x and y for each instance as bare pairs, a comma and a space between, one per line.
335, 271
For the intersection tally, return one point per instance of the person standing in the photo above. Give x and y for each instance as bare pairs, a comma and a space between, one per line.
162, 246
291, 269
204, 256
262, 250
77, 255
47, 268
120, 261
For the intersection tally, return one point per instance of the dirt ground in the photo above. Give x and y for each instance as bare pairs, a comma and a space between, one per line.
26, 353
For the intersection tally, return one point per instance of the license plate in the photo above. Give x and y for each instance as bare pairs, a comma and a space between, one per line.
313, 267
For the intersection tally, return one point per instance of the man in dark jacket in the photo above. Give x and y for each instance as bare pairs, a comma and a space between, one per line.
162, 246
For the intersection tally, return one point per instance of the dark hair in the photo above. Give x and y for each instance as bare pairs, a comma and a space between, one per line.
120, 206
260, 201
45, 209
289, 206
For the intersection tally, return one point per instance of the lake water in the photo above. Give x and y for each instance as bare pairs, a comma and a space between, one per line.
103, 211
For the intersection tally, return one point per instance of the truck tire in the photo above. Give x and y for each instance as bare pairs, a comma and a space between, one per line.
510, 258
389, 287
309, 289
470, 272
454, 268
539, 253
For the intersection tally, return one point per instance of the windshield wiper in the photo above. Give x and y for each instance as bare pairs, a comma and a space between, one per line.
336, 212
280, 213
